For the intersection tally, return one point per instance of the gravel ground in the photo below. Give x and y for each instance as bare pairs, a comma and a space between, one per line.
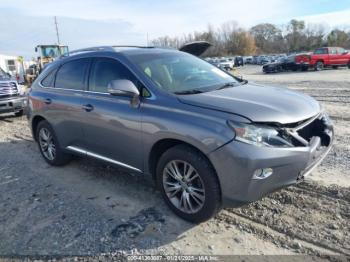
88, 208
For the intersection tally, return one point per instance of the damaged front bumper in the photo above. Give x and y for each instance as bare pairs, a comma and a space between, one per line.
236, 163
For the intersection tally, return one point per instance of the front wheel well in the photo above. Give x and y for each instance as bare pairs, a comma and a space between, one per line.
35, 122
163, 145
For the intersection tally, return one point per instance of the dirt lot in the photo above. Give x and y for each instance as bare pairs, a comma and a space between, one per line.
88, 208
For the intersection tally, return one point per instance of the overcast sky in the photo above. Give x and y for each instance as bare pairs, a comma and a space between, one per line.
82, 23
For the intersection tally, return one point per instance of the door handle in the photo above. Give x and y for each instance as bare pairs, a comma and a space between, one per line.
88, 107
47, 101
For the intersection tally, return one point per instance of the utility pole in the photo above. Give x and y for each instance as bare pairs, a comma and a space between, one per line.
57, 34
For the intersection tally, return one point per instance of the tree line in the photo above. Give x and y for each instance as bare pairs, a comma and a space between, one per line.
264, 38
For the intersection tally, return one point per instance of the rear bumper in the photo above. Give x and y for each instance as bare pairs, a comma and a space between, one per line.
236, 162
13, 104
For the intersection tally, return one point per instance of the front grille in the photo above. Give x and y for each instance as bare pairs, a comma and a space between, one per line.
8, 89
319, 126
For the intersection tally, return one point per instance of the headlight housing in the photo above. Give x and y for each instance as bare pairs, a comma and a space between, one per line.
259, 135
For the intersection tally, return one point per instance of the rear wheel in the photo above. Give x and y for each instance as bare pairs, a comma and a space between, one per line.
349, 64
49, 146
319, 66
188, 184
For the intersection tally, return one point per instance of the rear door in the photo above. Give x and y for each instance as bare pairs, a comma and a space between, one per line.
112, 124
61, 100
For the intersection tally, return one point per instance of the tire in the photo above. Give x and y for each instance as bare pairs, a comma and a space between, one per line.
304, 68
349, 64
335, 67
57, 157
19, 113
204, 202
319, 66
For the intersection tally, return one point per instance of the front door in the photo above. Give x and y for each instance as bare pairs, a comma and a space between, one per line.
112, 124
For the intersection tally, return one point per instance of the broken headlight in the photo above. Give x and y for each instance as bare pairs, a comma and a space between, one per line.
259, 135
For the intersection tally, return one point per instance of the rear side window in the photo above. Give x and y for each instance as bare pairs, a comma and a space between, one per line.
104, 70
49, 79
72, 74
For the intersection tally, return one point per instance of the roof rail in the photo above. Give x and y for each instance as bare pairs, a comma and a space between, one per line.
135, 46
101, 48
89, 49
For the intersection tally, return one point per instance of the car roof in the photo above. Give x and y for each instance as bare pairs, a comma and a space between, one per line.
111, 51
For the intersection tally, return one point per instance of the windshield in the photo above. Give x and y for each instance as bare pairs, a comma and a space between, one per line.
3, 75
177, 72
50, 51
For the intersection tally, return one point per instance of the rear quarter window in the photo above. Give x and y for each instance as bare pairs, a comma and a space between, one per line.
49, 80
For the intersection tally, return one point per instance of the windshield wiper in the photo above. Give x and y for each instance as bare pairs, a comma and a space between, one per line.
232, 84
188, 92
227, 85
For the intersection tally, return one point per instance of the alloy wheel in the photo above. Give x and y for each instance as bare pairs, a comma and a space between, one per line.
183, 186
47, 144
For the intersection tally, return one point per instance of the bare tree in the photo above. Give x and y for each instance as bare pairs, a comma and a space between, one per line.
230, 39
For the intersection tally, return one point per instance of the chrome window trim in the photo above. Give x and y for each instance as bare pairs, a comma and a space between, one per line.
107, 159
85, 91
152, 95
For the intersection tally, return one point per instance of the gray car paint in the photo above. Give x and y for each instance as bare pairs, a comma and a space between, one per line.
258, 103
118, 130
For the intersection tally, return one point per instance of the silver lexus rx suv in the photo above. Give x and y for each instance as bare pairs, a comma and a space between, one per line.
208, 139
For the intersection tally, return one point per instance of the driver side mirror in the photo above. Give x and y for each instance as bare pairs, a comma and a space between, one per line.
123, 87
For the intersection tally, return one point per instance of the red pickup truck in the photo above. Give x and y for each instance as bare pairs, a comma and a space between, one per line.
324, 57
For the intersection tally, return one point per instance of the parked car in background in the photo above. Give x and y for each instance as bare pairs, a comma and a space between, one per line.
282, 64
238, 61
12, 99
247, 59
226, 64
208, 139
324, 57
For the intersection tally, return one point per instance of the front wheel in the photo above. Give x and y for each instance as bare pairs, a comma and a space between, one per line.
49, 146
188, 184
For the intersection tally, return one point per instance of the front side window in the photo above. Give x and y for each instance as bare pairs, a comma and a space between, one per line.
71, 75
105, 70
333, 51
177, 72
341, 51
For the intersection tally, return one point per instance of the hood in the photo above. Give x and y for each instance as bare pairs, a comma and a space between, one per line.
195, 48
258, 103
